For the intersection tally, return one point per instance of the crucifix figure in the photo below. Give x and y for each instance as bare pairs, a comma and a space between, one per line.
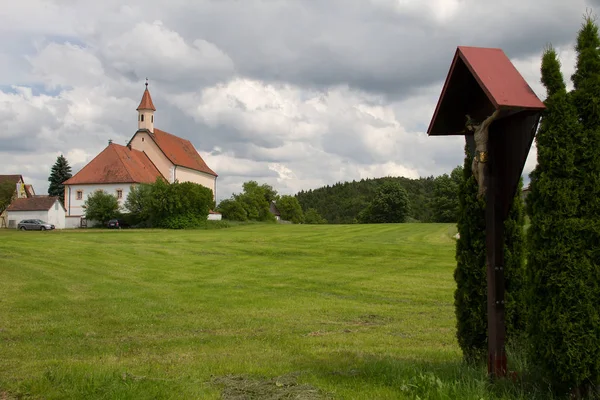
480, 158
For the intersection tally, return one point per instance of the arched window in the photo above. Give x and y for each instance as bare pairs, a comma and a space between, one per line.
152, 120
142, 117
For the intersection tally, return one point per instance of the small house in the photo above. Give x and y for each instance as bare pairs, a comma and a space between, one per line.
47, 208
275, 211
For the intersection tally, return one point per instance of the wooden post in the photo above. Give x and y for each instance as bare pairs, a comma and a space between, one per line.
494, 227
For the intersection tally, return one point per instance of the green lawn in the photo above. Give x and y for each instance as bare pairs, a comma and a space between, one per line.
257, 311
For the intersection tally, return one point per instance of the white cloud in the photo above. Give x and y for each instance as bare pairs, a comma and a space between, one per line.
297, 95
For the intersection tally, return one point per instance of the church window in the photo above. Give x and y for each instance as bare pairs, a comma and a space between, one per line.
79, 194
152, 119
142, 117
119, 193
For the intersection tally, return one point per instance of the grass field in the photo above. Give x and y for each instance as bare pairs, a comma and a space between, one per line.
258, 311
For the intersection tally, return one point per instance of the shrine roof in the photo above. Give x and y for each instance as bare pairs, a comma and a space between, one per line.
480, 80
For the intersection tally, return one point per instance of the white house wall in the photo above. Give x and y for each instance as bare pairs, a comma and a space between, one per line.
55, 215
183, 174
75, 206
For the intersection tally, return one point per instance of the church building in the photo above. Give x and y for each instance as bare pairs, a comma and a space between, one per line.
150, 153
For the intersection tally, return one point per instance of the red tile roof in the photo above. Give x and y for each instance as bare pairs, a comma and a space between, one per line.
11, 178
117, 164
37, 203
180, 151
146, 103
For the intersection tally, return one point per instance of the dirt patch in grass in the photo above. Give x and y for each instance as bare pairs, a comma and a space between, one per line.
243, 387
6, 396
370, 320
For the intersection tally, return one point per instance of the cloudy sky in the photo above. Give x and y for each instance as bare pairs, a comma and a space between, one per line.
294, 93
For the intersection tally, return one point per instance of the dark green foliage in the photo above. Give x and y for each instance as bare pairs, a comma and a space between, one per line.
342, 202
138, 203
290, 209
470, 297
312, 216
445, 196
253, 204
390, 205
514, 270
586, 99
172, 206
232, 210
563, 274
7, 192
60, 172
101, 207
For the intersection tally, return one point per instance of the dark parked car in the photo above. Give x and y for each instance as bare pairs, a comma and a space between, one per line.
34, 225
117, 224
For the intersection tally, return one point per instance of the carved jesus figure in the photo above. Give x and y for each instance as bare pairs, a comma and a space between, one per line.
481, 136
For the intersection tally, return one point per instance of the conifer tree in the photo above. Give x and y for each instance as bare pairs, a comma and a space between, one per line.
61, 171
470, 298
563, 318
586, 98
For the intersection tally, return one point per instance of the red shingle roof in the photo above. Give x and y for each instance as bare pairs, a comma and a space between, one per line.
146, 103
117, 164
11, 178
37, 203
180, 151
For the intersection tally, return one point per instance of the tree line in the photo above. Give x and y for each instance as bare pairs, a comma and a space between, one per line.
424, 200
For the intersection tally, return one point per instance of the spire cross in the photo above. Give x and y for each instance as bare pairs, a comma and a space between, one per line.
146, 83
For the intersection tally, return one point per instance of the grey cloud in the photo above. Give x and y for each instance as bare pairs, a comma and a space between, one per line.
350, 42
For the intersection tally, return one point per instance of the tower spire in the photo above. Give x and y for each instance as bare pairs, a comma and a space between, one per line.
146, 111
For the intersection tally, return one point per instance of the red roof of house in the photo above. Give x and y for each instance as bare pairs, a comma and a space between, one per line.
11, 178
146, 103
180, 151
37, 203
477, 74
117, 164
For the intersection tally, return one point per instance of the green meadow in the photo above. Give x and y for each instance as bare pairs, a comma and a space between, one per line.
247, 312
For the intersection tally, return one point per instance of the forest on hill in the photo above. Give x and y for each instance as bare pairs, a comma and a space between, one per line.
431, 199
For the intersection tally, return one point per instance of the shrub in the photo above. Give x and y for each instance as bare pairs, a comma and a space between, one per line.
101, 207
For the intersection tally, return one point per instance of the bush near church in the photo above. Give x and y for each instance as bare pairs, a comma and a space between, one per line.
172, 206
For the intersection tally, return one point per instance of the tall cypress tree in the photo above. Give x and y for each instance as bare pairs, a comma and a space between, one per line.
470, 297
563, 317
61, 171
586, 98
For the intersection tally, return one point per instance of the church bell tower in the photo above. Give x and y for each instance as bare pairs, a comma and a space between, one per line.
146, 111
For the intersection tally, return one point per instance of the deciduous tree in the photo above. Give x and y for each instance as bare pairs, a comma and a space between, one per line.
290, 209
101, 207
390, 205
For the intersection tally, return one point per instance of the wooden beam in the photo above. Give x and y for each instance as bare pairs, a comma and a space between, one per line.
494, 226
